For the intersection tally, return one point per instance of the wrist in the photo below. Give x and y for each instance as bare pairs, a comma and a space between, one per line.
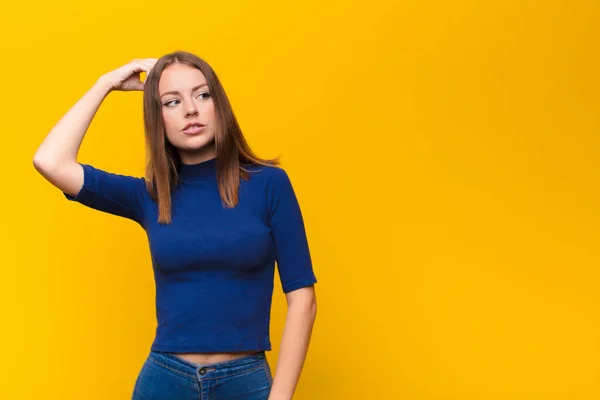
279, 396
103, 84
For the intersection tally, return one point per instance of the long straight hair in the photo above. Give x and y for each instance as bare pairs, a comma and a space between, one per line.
163, 160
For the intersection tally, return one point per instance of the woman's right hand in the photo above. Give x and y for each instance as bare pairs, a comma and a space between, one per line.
127, 77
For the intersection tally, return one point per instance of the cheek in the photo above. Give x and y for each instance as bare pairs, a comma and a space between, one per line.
169, 128
169, 121
209, 111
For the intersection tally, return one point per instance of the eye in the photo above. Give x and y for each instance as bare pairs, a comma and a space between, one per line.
206, 94
169, 102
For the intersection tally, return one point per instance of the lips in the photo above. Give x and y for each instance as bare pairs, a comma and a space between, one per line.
193, 128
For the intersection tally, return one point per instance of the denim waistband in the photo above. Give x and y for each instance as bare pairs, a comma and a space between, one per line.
208, 371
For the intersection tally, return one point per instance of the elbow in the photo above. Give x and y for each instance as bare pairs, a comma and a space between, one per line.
44, 167
38, 163
41, 162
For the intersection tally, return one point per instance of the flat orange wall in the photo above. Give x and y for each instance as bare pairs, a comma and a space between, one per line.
445, 154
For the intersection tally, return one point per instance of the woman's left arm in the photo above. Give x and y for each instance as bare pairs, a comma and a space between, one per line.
301, 314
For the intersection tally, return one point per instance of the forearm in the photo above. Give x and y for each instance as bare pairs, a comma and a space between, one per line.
293, 349
65, 138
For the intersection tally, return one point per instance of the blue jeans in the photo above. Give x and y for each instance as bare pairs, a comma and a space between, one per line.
165, 376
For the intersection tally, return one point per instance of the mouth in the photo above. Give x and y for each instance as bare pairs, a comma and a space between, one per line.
194, 128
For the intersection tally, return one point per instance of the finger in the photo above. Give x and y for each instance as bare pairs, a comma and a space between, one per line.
148, 66
149, 61
139, 86
148, 74
138, 67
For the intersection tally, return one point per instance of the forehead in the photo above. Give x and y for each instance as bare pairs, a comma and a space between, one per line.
180, 77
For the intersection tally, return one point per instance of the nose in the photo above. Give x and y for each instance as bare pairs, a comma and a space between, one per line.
190, 108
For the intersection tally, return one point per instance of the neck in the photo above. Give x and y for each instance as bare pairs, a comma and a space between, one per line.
198, 156
199, 171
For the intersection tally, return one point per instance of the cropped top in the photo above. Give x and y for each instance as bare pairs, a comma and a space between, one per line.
213, 266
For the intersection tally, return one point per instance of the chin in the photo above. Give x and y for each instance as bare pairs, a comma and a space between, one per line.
189, 147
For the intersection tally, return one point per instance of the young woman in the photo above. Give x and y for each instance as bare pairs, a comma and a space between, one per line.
217, 219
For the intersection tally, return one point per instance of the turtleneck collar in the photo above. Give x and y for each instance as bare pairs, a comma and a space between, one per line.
199, 171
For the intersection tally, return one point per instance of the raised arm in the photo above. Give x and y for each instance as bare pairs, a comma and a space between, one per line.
56, 158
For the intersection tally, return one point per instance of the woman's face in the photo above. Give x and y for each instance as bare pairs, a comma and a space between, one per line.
185, 100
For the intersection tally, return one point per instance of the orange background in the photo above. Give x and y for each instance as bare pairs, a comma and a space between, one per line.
445, 155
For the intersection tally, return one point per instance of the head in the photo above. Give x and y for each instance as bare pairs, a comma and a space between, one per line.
186, 99
183, 89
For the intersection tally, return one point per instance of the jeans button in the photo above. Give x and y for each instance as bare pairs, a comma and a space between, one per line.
202, 371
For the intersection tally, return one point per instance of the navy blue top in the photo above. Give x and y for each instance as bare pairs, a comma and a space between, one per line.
213, 266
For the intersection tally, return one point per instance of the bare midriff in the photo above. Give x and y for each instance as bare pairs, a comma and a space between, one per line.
211, 358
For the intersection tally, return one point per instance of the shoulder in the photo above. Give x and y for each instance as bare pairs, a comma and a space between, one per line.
268, 175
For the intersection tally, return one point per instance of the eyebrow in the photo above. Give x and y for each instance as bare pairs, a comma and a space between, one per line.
176, 92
